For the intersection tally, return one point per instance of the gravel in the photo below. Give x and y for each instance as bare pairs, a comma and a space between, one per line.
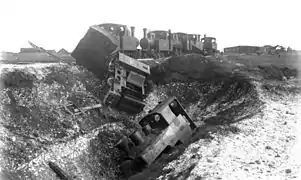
247, 127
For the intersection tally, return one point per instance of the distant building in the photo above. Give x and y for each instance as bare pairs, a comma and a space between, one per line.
63, 52
51, 51
7, 55
268, 46
29, 50
34, 50
242, 49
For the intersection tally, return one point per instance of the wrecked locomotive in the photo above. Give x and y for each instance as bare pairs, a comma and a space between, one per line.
128, 84
166, 126
110, 52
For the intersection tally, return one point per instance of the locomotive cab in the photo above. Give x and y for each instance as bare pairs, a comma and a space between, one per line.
192, 40
159, 40
184, 40
209, 44
177, 41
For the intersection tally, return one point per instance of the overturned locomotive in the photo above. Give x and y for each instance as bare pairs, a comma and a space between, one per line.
166, 126
128, 84
100, 52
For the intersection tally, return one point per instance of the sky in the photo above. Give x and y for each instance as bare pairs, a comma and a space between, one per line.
56, 24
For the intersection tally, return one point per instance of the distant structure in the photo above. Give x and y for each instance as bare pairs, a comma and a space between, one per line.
34, 50
8, 56
63, 52
267, 49
51, 51
29, 50
242, 49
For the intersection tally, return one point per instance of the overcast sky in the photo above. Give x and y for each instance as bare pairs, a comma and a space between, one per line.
56, 24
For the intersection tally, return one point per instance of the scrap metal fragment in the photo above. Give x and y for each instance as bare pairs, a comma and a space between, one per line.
60, 173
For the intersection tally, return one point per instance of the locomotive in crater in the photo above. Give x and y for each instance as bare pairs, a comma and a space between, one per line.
164, 127
110, 51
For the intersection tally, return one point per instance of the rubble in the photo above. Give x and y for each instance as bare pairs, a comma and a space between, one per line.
35, 128
185, 68
277, 73
34, 119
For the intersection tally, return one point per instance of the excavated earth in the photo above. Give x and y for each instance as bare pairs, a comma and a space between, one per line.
247, 123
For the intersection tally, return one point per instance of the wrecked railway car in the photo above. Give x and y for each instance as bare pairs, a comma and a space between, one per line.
166, 126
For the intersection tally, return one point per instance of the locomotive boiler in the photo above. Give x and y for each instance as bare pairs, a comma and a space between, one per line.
185, 42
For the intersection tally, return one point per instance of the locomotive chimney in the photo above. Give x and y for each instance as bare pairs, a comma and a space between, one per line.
144, 33
199, 37
169, 39
133, 31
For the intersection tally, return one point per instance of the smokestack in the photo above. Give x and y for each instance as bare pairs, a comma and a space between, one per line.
169, 39
133, 31
144, 33
199, 37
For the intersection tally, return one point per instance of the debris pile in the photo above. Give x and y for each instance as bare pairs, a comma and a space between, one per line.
35, 120
190, 67
37, 123
277, 73
37, 128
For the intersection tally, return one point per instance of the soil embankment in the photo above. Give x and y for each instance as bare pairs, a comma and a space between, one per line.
37, 129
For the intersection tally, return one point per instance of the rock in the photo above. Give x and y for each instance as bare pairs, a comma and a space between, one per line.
287, 112
35, 134
287, 171
13, 138
268, 147
257, 162
209, 160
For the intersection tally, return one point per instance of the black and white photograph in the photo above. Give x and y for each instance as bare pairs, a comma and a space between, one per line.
150, 90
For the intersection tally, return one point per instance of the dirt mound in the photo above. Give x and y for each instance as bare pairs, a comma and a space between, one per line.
277, 73
16, 79
185, 68
35, 122
34, 119
225, 100
210, 103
